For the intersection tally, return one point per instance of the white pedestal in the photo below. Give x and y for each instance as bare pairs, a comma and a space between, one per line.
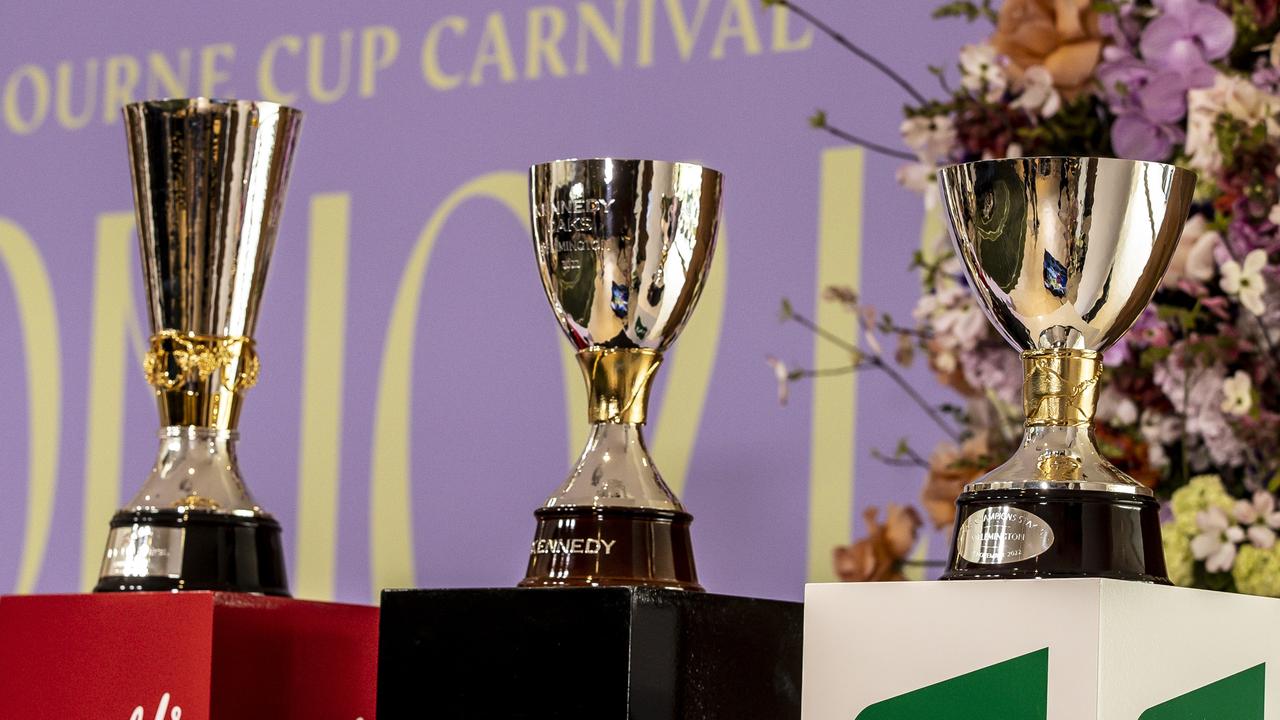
1038, 650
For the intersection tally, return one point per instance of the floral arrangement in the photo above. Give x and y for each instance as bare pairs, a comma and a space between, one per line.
1191, 405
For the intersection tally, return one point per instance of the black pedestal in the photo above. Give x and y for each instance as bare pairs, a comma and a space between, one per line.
1094, 534
220, 552
590, 653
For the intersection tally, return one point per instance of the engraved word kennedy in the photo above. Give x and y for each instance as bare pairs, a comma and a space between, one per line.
576, 546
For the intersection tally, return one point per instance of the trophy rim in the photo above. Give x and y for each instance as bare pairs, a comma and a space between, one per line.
211, 103
956, 167
587, 160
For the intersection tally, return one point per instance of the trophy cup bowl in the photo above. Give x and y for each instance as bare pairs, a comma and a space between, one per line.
209, 180
623, 247
1063, 255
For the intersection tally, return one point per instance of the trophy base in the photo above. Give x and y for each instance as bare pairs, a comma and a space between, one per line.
194, 551
1056, 533
599, 546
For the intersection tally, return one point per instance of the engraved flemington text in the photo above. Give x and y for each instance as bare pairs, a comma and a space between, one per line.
1001, 535
573, 546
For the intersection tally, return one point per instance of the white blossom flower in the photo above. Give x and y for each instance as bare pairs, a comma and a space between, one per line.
1237, 394
1232, 95
783, 375
1216, 543
869, 335
1260, 517
1116, 408
1274, 215
980, 71
931, 138
1245, 282
1039, 97
921, 178
1193, 258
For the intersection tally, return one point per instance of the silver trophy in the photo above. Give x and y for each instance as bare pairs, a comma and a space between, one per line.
1063, 254
623, 247
209, 180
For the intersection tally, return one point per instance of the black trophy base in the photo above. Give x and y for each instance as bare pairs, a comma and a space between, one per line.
600, 546
610, 653
1093, 534
220, 552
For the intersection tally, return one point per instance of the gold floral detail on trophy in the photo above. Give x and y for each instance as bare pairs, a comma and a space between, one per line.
1060, 387
176, 358
1059, 468
197, 502
618, 382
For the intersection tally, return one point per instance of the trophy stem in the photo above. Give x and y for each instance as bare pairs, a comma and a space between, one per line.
179, 533
614, 521
1058, 508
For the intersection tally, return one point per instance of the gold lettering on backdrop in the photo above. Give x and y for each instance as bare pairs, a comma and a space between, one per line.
379, 47
494, 49
267, 86
436, 77
684, 31
116, 346
163, 80
211, 74
67, 118
333, 65
390, 500
320, 437
644, 34
315, 67
122, 73
782, 41
737, 21
545, 27
607, 37
831, 450
39, 319
19, 122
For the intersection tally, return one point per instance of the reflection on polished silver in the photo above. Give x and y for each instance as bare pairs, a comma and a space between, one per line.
623, 247
209, 180
196, 469
1063, 255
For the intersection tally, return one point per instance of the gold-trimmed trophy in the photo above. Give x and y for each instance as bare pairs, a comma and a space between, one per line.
1063, 254
623, 247
209, 180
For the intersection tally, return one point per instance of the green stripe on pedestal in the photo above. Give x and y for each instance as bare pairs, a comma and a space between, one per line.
1236, 697
1016, 689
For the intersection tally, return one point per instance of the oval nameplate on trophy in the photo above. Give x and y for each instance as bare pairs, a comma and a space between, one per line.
1001, 535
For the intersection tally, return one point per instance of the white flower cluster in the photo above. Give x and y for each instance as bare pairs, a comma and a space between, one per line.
1220, 535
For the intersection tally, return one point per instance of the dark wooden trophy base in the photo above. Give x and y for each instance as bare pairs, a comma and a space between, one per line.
601, 546
1095, 534
220, 552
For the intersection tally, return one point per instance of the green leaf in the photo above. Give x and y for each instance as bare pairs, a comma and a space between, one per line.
960, 8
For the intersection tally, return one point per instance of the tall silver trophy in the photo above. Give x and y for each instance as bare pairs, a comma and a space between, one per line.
209, 180
623, 247
1063, 254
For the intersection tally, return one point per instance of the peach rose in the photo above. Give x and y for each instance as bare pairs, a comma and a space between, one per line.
1061, 35
950, 469
878, 556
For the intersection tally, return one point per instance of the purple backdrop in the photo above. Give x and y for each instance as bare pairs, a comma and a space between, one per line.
488, 416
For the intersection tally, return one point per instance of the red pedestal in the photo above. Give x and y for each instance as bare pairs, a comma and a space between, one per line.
186, 656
